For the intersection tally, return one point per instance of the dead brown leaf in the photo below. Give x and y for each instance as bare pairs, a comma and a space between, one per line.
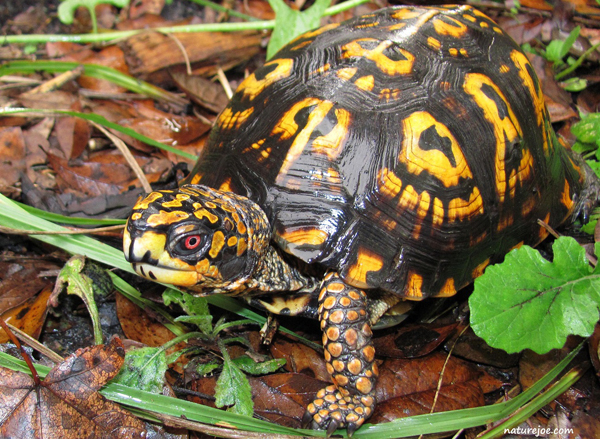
12, 153
412, 341
67, 403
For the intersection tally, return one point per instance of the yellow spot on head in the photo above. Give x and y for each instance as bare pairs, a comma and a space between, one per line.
218, 241
232, 241
177, 201
203, 213
165, 218
149, 199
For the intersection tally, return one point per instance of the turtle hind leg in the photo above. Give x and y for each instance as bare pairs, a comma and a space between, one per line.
350, 358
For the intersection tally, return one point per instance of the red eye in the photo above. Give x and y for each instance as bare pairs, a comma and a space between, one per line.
191, 242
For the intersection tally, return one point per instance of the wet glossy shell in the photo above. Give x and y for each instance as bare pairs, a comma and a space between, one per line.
407, 149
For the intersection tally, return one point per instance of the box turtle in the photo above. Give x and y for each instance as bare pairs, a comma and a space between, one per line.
392, 156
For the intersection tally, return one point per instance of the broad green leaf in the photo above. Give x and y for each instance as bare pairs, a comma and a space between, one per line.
250, 366
575, 84
206, 368
195, 307
290, 23
587, 130
557, 49
144, 369
233, 390
66, 10
528, 302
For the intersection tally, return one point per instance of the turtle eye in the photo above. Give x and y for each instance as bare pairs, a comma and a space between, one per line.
191, 242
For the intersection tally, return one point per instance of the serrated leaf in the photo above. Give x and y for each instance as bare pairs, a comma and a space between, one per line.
528, 302
250, 366
195, 307
144, 369
290, 23
233, 390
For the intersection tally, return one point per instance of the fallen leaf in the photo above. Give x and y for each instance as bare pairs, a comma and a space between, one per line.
412, 341
67, 403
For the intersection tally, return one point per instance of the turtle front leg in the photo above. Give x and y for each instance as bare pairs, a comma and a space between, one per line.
350, 358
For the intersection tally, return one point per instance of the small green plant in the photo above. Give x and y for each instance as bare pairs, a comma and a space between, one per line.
66, 10
232, 389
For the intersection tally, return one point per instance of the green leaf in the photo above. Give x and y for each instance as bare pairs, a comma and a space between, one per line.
206, 368
79, 284
144, 369
250, 366
557, 49
195, 307
290, 23
528, 302
575, 84
587, 130
233, 390
66, 10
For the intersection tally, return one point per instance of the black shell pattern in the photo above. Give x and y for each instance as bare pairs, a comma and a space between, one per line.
406, 149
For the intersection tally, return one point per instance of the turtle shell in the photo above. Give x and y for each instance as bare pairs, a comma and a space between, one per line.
406, 149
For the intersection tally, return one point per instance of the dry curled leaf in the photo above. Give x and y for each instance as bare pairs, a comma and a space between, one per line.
67, 403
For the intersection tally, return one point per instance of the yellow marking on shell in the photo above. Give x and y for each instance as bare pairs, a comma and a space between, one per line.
478, 271
484, 25
565, 198
421, 213
505, 221
315, 117
543, 230
409, 198
149, 199
463, 52
454, 29
521, 62
385, 64
434, 43
497, 30
136, 216
395, 27
305, 236
177, 201
390, 184
203, 213
164, 218
505, 130
321, 70
218, 241
413, 286
453, 51
318, 31
287, 126
448, 289
405, 14
433, 161
229, 120
471, 18
365, 83
387, 94
347, 73
517, 245
438, 212
474, 240
232, 241
196, 178
366, 261
302, 45
504, 68
252, 87
527, 206
464, 209
366, 25
332, 143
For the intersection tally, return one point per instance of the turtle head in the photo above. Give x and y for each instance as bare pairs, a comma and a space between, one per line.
196, 237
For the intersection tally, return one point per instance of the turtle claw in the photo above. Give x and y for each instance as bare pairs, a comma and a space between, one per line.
332, 410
